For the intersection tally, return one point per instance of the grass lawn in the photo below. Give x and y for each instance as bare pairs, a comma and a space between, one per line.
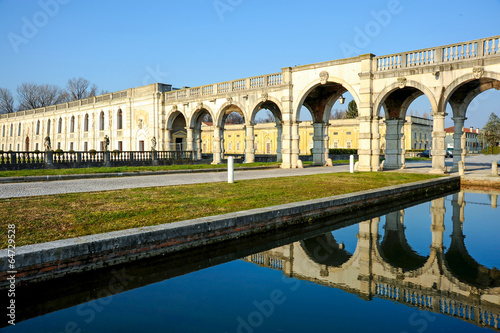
48, 218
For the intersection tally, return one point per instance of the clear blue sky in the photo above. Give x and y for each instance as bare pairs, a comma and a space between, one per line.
123, 44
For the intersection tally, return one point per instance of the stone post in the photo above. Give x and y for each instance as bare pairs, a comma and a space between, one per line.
107, 158
217, 146
438, 149
49, 159
458, 127
319, 144
154, 157
494, 168
494, 201
250, 143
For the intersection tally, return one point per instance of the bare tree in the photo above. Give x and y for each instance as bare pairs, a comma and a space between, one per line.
80, 88
268, 117
234, 118
32, 95
6, 101
337, 114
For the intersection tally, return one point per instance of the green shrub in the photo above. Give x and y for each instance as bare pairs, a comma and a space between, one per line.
342, 151
491, 150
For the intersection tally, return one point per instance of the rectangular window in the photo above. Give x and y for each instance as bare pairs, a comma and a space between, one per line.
348, 133
238, 146
120, 145
335, 133
36, 146
348, 144
19, 130
58, 145
102, 145
85, 146
335, 144
229, 146
71, 146
18, 147
141, 145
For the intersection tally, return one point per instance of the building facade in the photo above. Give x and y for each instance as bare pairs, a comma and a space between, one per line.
342, 133
469, 138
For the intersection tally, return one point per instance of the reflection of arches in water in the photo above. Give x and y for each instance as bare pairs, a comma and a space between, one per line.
325, 250
465, 268
394, 247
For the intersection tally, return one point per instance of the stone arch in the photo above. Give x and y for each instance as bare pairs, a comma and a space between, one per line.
317, 83
488, 80
227, 108
261, 104
324, 250
197, 113
382, 96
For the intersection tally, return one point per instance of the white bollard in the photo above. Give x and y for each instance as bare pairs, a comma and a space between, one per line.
230, 169
351, 163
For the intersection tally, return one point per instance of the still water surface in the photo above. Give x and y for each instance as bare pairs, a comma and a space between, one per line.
428, 268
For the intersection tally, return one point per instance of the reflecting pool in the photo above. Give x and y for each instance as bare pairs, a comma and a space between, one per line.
427, 268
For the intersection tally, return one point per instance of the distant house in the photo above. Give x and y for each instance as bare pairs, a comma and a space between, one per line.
472, 144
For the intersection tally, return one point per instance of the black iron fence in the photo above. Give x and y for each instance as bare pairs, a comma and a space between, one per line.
84, 159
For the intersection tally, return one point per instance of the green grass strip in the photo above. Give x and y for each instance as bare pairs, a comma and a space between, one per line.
48, 218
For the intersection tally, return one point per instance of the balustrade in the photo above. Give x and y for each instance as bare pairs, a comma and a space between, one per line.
449, 53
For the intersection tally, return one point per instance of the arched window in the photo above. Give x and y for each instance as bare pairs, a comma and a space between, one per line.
11, 129
101, 121
38, 128
48, 127
86, 123
72, 125
19, 130
3, 131
59, 126
119, 124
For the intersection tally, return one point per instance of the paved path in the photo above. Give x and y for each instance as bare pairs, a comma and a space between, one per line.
12, 190
477, 166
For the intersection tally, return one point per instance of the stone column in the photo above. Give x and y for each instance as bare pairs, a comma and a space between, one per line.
365, 243
250, 146
365, 144
197, 144
168, 140
326, 140
189, 139
319, 144
295, 144
375, 144
438, 149
458, 128
437, 224
403, 150
393, 144
217, 159
279, 129
369, 145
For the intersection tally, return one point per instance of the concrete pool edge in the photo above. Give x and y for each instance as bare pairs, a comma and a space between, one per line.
45, 261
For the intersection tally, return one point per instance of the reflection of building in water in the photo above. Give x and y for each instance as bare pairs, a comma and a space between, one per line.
448, 281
